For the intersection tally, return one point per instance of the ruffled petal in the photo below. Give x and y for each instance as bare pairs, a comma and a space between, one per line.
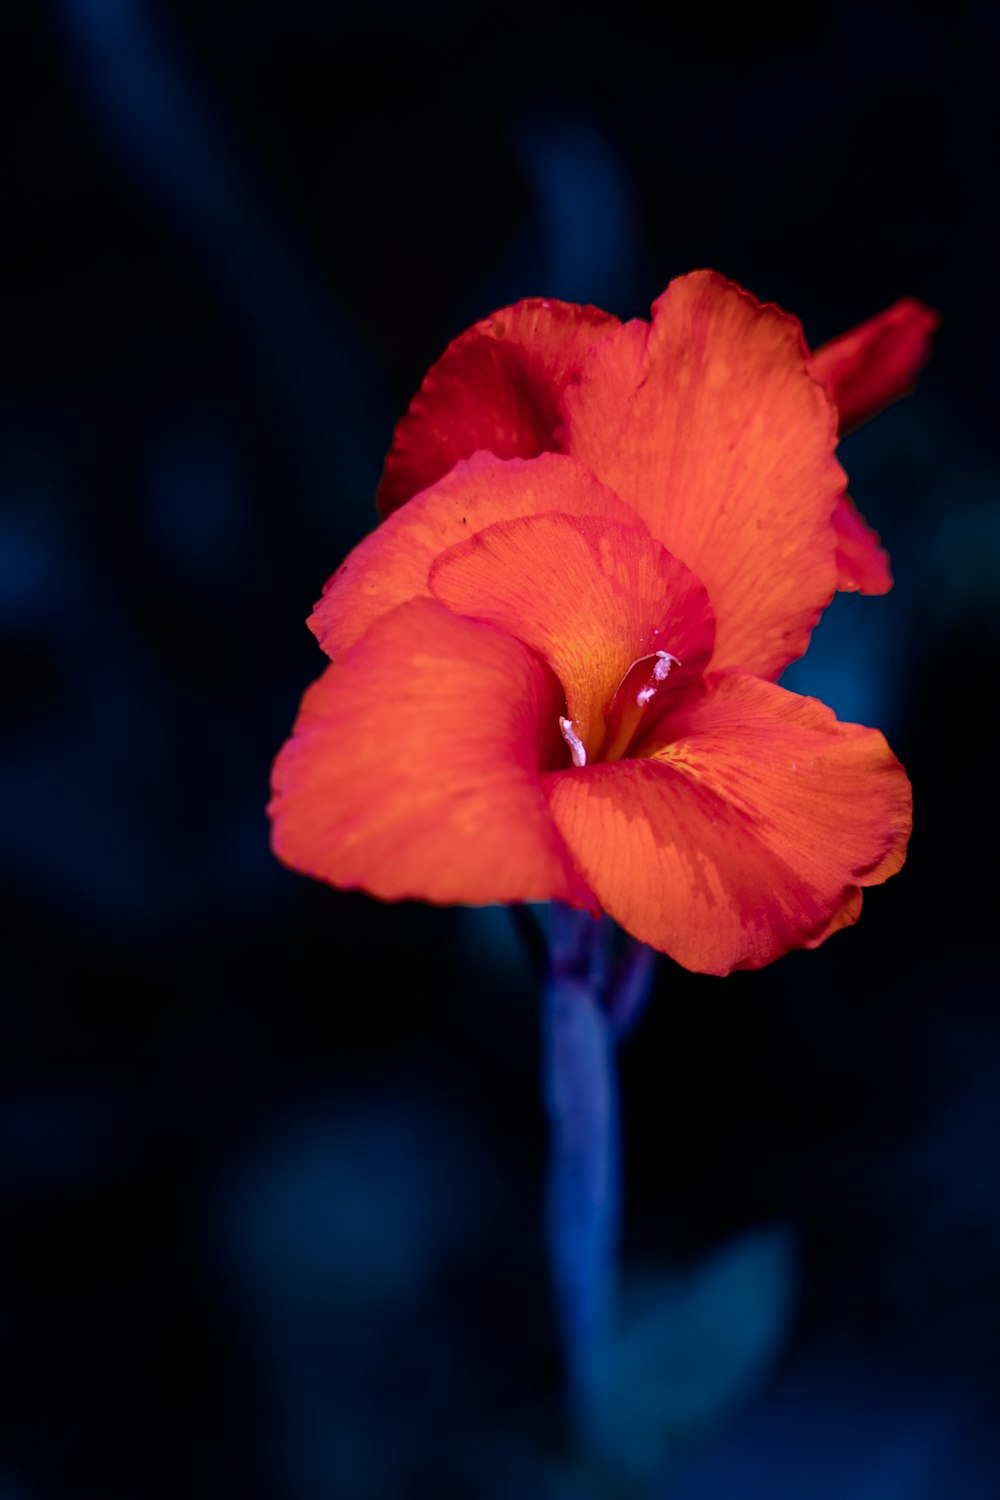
877, 362
862, 563
394, 562
589, 595
495, 388
709, 425
412, 770
748, 834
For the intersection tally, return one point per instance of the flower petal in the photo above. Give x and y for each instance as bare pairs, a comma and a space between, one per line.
412, 770
496, 388
393, 563
709, 425
877, 362
746, 835
862, 564
589, 595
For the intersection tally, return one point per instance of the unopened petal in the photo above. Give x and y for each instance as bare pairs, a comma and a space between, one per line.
412, 770
877, 362
750, 832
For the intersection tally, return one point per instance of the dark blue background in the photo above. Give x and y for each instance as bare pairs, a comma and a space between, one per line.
270, 1155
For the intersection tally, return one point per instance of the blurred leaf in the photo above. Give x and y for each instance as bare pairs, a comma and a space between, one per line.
689, 1348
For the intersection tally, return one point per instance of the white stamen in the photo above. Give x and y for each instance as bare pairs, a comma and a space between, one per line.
661, 671
576, 746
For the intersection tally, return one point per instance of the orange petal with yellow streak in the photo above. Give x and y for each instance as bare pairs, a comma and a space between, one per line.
589, 595
748, 832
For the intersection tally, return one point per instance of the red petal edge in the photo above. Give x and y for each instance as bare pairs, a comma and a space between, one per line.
862, 563
494, 389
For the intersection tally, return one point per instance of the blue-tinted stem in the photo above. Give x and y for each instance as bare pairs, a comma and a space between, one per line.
583, 1191
590, 995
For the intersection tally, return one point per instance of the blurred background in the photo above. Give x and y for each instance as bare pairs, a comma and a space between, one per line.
271, 1155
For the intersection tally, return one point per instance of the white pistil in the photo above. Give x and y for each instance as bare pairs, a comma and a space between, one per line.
576, 746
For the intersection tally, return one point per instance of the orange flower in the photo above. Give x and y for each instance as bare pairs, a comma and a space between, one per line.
553, 667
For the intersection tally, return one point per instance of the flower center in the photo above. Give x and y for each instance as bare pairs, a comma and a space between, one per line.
635, 702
